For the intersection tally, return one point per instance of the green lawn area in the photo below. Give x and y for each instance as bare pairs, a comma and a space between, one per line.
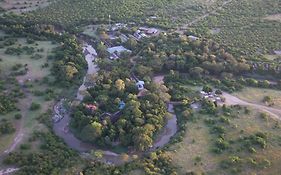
256, 95
194, 152
34, 66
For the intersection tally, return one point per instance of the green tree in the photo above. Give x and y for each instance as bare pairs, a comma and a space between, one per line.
120, 85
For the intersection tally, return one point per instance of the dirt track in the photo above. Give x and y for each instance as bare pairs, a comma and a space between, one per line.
233, 100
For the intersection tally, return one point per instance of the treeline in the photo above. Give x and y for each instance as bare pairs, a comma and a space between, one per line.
156, 163
196, 57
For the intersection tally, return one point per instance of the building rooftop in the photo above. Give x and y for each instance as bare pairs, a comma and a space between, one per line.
117, 49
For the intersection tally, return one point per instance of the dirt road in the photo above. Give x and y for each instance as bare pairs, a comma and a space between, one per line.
233, 100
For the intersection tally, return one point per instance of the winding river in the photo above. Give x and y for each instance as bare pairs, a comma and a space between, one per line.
61, 128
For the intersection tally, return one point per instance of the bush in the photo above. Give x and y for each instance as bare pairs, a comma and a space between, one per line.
25, 146
18, 116
34, 106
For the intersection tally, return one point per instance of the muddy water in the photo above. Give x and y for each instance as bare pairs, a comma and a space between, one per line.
169, 130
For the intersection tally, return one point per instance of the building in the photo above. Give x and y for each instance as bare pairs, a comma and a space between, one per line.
140, 85
192, 38
148, 31
277, 52
151, 31
122, 105
116, 51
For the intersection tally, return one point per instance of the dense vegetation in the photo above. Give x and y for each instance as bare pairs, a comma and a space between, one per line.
114, 113
135, 124
198, 58
69, 12
243, 26
53, 157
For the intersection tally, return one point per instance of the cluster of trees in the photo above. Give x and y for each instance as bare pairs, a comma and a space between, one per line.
6, 127
198, 58
7, 104
53, 157
19, 50
136, 124
155, 163
69, 65
168, 13
258, 39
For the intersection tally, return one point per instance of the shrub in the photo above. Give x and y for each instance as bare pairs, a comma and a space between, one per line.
18, 116
34, 106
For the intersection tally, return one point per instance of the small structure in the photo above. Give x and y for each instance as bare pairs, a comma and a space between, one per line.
116, 51
123, 38
138, 35
91, 107
151, 31
140, 85
122, 105
153, 17
113, 117
277, 52
118, 26
192, 38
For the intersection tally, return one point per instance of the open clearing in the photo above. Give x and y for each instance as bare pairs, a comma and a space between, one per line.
32, 83
256, 95
194, 153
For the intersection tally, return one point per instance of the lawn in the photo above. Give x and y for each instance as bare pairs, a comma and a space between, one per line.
256, 95
194, 152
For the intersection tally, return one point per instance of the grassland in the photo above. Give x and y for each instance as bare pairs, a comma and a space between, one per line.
35, 67
244, 26
33, 86
256, 95
195, 152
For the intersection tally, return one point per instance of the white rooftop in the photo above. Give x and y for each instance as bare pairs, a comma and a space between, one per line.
117, 49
